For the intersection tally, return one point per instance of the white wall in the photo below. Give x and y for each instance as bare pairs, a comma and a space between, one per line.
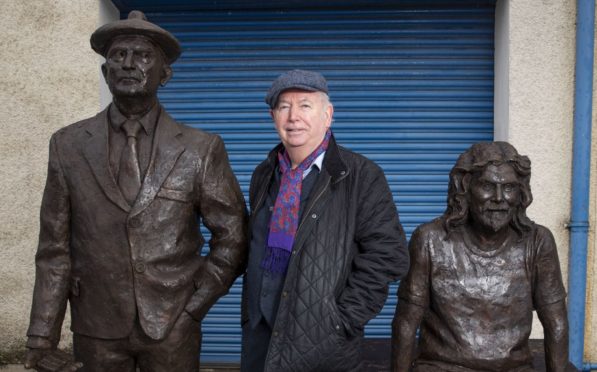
50, 78
537, 54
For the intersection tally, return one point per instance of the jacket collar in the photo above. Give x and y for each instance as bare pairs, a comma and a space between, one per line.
166, 150
333, 163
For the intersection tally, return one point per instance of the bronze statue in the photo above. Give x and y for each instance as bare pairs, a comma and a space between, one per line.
478, 272
119, 232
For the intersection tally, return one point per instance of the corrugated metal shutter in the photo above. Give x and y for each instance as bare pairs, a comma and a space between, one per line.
412, 88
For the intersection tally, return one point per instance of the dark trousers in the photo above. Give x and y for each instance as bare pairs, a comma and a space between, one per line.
255, 342
179, 351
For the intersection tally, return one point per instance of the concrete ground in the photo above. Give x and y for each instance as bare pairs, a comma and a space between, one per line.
12, 368
376, 353
20, 368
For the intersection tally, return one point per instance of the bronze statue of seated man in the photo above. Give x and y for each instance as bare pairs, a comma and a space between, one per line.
478, 272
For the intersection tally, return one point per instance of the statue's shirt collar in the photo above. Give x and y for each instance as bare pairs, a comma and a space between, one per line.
148, 120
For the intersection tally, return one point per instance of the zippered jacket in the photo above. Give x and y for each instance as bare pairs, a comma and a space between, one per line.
349, 246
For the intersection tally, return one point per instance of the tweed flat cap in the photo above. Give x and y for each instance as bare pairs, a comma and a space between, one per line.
135, 24
298, 79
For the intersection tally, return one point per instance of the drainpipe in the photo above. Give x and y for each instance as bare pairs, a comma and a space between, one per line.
579, 218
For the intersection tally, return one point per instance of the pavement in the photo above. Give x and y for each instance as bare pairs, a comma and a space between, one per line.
376, 355
215, 368
12, 368
20, 368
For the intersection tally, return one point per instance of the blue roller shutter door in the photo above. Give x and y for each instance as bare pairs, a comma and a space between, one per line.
412, 88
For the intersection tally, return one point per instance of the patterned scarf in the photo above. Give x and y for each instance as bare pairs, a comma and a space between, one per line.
284, 220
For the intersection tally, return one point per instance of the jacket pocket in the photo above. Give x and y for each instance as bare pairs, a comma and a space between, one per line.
338, 325
176, 195
339, 351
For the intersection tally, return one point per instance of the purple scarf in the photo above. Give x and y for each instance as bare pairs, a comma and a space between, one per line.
284, 220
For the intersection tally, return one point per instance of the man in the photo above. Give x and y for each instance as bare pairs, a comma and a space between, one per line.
325, 240
478, 272
119, 220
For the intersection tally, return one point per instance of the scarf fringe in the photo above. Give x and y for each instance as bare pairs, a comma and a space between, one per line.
275, 260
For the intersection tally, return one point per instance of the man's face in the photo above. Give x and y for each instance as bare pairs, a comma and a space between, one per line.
134, 67
302, 118
494, 197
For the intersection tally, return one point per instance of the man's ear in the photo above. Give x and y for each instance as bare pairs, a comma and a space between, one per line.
271, 113
105, 71
329, 112
166, 75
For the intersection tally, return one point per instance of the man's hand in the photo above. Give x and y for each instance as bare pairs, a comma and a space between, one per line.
51, 360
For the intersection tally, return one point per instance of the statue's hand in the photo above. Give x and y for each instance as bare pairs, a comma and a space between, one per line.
33, 356
51, 360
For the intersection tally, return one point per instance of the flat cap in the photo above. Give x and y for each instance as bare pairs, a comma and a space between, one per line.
295, 79
135, 24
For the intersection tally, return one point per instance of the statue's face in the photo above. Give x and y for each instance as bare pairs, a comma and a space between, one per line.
134, 67
494, 197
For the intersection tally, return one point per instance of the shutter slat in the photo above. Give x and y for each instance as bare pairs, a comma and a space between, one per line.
412, 86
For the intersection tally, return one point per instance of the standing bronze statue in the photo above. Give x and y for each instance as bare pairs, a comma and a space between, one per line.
119, 235
478, 272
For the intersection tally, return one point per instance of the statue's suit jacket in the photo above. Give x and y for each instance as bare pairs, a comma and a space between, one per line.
112, 261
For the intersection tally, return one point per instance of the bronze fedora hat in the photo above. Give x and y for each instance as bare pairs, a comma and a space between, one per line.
135, 24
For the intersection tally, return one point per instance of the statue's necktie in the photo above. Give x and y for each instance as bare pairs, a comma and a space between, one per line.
129, 175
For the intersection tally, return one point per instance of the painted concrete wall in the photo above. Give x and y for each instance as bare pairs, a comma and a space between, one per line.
541, 56
540, 108
49, 79
540, 105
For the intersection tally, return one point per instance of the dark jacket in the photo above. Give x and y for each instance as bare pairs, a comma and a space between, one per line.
116, 263
349, 246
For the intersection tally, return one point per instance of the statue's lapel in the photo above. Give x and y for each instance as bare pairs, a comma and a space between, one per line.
96, 154
167, 148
